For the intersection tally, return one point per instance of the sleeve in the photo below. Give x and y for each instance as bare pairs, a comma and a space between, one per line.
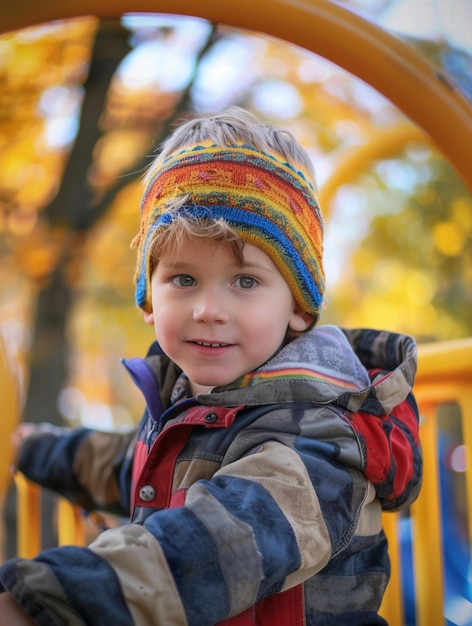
387, 423
90, 468
260, 525
394, 461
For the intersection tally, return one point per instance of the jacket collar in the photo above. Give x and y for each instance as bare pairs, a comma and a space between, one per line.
326, 365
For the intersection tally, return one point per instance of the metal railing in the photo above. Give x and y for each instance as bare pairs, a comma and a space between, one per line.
444, 380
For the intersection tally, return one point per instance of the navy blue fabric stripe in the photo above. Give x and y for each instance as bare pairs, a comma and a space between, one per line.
360, 574
47, 460
179, 532
50, 462
249, 502
349, 618
191, 555
90, 585
334, 485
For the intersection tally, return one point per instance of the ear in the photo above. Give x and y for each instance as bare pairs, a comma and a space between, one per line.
148, 318
300, 320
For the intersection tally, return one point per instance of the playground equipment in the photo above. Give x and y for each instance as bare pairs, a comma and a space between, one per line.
10, 414
9, 402
324, 27
431, 579
445, 370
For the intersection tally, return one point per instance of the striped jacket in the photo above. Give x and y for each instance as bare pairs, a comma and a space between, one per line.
259, 503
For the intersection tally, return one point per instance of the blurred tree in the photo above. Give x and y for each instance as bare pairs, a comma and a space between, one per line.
68, 210
85, 188
408, 242
70, 214
84, 105
413, 265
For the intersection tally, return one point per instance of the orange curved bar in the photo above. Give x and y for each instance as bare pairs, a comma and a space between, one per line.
445, 360
355, 160
425, 94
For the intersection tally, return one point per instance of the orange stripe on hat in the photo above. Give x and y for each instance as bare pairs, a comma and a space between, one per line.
267, 201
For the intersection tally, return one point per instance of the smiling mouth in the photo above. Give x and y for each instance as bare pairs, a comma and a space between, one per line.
208, 344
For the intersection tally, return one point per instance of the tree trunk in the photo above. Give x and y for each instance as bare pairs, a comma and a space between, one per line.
68, 211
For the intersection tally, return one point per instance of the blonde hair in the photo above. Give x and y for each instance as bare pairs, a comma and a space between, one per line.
169, 241
233, 127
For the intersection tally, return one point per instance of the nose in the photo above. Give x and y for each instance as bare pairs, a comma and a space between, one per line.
210, 307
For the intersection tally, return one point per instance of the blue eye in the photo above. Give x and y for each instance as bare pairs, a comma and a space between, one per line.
183, 280
246, 282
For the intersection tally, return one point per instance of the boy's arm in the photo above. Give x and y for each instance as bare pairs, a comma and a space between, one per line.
394, 460
12, 614
90, 468
387, 424
261, 524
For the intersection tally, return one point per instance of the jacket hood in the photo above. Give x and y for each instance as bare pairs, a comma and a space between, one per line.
368, 374
360, 369
330, 365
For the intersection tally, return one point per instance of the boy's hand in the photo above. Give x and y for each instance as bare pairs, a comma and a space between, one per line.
21, 432
12, 614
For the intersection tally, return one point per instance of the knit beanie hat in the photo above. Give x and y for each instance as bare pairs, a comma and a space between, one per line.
268, 203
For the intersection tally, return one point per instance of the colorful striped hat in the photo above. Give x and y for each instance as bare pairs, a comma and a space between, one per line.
268, 202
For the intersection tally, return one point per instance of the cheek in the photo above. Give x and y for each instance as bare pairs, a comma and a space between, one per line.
264, 329
166, 324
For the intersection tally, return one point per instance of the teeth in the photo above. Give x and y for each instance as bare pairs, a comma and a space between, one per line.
210, 345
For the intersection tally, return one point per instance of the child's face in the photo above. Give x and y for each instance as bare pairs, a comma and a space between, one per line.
218, 319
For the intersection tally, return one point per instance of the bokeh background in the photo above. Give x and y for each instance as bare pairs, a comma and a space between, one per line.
84, 105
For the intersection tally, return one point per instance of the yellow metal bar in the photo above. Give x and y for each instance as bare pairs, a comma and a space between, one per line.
28, 517
424, 93
70, 526
426, 531
9, 415
444, 375
445, 362
465, 404
354, 160
392, 603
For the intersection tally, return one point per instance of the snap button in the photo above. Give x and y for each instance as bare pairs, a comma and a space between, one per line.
147, 493
211, 418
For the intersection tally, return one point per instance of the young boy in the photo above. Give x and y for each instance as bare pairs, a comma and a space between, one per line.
269, 445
